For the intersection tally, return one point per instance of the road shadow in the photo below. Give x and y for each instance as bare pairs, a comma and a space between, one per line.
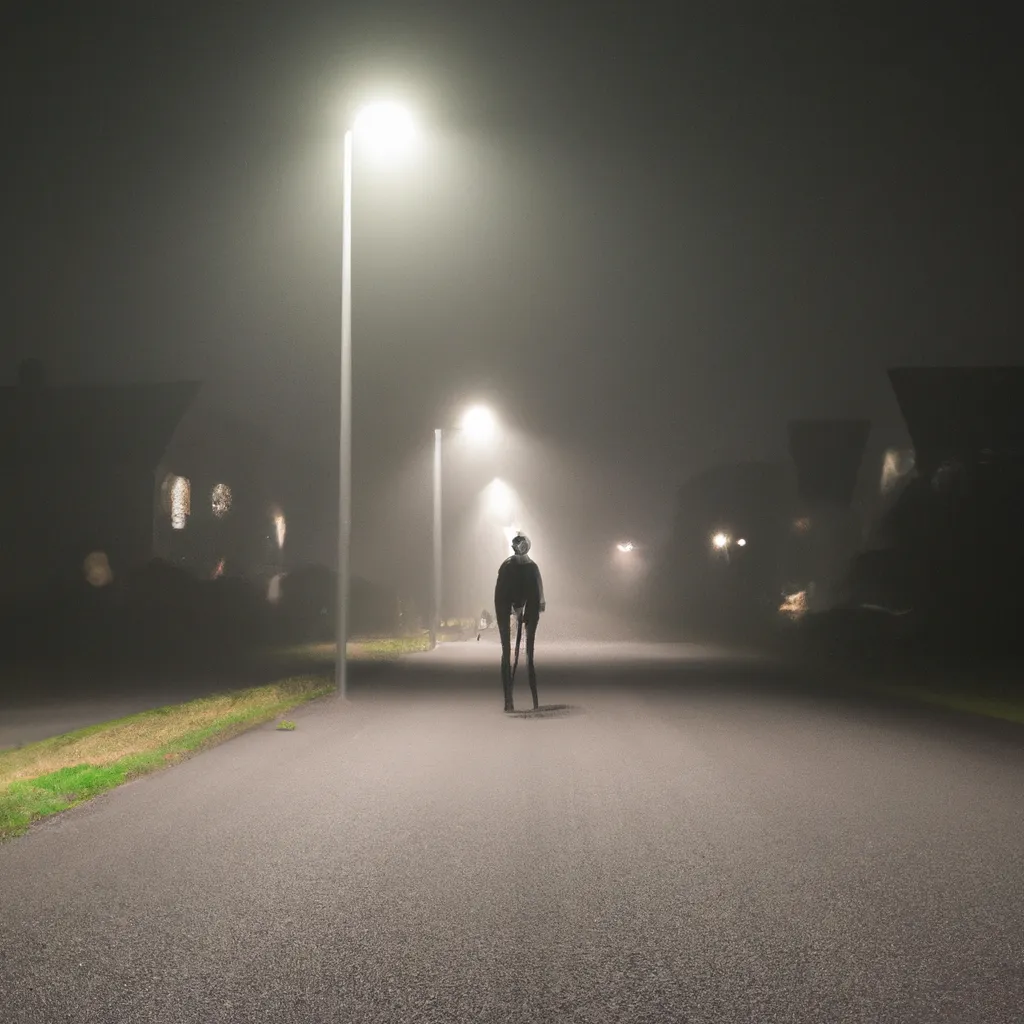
545, 711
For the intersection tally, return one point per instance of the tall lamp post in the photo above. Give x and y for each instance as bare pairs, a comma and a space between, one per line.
435, 607
479, 424
384, 123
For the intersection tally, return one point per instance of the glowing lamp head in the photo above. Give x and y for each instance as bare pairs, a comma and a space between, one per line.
626, 547
479, 423
720, 541
386, 127
741, 543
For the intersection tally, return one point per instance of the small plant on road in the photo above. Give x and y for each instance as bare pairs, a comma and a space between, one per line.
286, 725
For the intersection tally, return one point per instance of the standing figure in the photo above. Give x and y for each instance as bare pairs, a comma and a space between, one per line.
519, 589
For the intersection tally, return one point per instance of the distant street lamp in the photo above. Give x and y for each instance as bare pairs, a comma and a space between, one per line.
721, 542
390, 127
626, 547
479, 425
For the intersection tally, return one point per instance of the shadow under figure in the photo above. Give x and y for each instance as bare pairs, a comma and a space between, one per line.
519, 590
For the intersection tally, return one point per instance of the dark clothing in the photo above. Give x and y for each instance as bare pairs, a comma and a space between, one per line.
505, 629
518, 585
519, 588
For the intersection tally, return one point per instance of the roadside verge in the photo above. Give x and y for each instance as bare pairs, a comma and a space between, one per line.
44, 778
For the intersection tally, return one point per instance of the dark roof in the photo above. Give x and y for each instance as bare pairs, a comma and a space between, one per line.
961, 410
828, 455
110, 424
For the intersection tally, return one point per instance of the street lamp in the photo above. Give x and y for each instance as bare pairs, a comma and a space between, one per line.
478, 423
389, 126
721, 542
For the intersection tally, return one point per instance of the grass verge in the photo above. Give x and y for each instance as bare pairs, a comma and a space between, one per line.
970, 703
50, 776
993, 692
389, 647
374, 648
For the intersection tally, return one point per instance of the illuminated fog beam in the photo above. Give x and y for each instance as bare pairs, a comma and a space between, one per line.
501, 499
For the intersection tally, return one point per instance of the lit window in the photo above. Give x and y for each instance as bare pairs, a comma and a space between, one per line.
280, 526
97, 569
181, 502
220, 500
896, 465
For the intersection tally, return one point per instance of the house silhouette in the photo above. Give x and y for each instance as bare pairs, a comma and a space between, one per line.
77, 475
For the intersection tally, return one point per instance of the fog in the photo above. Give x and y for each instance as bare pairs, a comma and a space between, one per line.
647, 264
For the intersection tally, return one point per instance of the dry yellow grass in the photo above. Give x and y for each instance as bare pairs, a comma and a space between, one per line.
147, 731
361, 649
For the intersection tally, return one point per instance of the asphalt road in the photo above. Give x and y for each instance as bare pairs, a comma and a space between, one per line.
42, 709
689, 838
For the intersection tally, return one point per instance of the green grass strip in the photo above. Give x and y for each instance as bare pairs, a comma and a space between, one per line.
157, 739
974, 704
372, 648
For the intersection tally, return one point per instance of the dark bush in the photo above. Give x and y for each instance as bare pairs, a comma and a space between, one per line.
309, 599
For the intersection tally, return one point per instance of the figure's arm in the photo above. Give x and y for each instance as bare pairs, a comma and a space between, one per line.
540, 591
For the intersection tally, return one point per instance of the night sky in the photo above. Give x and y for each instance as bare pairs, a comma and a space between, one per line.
649, 236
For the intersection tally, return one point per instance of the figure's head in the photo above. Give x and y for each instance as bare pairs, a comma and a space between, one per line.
521, 545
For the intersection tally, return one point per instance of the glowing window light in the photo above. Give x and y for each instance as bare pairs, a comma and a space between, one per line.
280, 527
220, 500
181, 502
794, 606
896, 465
97, 569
